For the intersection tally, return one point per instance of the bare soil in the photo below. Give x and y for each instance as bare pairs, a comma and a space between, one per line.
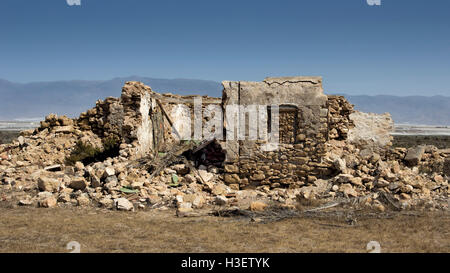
25, 229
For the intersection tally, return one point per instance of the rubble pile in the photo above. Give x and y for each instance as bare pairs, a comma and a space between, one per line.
411, 178
191, 175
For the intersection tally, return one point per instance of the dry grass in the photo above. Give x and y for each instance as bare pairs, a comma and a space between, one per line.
49, 230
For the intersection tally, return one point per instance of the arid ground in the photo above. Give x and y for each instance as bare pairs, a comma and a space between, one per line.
99, 230
407, 141
25, 229
8, 136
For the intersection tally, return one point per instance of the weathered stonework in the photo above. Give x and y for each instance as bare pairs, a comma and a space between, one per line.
339, 122
303, 129
326, 152
137, 118
307, 120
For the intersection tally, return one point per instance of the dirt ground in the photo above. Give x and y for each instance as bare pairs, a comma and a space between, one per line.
25, 229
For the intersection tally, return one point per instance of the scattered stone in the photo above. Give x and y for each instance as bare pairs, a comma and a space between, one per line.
219, 189
79, 166
123, 204
21, 140
64, 129
154, 199
258, 206
48, 184
340, 165
221, 200
64, 198
108, 172
54, 168
190, 179
232, 178
381, 183
352, 150
107, 202
25, 202
44, 194
78, 183
49, 202
379, 207
184, 205
83, 201
348, 190
205, 175
184, 212
414, 155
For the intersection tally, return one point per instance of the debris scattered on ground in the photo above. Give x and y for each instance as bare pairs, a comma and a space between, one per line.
88, 162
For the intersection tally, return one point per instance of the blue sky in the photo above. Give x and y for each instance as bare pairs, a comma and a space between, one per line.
401, 47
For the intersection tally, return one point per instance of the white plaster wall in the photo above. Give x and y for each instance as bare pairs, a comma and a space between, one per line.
145, 130
371, 129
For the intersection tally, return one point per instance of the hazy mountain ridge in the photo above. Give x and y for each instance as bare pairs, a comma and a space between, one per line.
37, 99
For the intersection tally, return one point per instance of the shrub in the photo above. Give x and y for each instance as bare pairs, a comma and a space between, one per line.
87, 154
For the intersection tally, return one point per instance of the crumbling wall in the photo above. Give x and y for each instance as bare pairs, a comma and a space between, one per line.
398, 178
371, 130
140, 118
138, 128
339, 121
303, 131
105, 119
143, 120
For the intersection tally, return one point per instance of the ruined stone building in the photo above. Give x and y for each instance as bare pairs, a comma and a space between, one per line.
280, 140
308, 120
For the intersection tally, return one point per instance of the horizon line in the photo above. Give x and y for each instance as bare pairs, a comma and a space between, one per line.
219, 83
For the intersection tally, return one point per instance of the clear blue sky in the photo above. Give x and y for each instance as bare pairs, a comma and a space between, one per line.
401, 47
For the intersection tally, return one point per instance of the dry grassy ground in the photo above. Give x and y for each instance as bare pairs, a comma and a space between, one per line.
49, 230
442, 142
8, 136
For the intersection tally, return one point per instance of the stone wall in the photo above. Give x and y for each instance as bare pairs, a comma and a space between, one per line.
339, 121
302, 129
140, 121
105, 119
307, 120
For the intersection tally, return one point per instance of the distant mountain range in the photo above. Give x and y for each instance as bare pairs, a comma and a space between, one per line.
35, 100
